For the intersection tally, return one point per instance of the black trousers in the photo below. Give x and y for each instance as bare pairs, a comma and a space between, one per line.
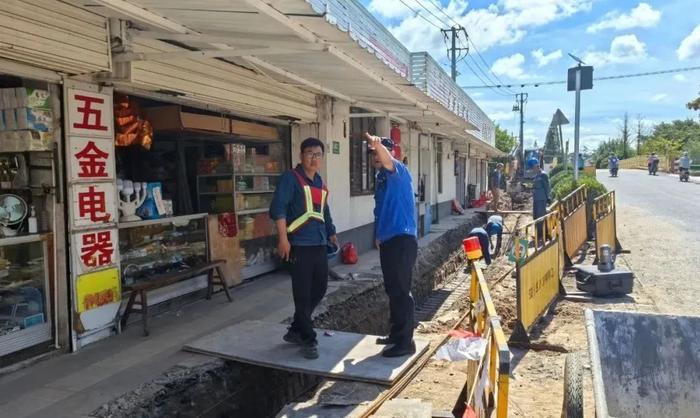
309, 270
398, 256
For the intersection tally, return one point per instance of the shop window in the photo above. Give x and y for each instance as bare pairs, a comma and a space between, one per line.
361, 169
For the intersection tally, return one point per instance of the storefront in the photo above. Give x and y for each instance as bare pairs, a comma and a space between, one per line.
200, 171
29, 285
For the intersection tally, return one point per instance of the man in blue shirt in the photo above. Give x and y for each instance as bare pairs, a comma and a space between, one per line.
304, 225
495, 185
541, 194
494, 226
395, 232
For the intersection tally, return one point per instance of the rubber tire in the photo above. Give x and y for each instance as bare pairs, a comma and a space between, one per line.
573, 386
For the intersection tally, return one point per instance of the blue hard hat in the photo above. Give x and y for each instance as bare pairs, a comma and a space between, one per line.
388, 143
332, 250
532, 162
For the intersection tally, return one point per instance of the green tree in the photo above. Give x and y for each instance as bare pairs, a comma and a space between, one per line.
682, 131
695, 104
504, 141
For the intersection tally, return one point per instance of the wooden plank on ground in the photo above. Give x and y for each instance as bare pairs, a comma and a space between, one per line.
343, 355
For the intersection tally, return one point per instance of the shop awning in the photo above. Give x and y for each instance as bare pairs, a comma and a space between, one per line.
53, 35
331, 47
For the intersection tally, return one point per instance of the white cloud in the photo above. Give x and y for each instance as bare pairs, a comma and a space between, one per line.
510, 67
390, 9
545, 59
660, 98
642, 16
504, 22
680, 78
623, 49
690, 46
501, 116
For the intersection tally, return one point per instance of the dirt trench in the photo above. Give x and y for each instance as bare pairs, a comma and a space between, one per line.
219, 388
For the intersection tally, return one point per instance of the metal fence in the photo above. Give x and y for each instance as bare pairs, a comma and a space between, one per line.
539, 253
572, 211
488, 382
604, 216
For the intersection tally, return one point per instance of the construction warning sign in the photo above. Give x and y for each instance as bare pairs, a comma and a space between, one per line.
538, 284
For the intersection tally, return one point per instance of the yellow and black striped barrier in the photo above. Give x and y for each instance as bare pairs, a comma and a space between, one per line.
539, 255
604, 216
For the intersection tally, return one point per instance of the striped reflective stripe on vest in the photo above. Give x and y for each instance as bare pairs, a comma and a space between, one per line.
309, 211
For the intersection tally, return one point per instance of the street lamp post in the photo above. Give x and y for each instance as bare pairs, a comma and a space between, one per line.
579, 78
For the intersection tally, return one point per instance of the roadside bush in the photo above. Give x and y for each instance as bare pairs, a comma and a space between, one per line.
556, 170
566, 185
558, 177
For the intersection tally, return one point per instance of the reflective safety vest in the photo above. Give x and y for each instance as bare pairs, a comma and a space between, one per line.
314, 204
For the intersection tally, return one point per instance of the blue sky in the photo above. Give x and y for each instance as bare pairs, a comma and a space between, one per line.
525, 41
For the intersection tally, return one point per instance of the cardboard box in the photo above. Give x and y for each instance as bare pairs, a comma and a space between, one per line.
224, 186
9, 100
32, 98
21, 141
254, 130
172, 118
34, 119
10, 119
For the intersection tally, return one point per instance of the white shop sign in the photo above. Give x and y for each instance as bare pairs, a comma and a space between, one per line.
93, 210
95, 250
93, 205
89, 114
90, 159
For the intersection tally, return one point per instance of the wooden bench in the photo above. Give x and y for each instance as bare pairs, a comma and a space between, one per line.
141, 288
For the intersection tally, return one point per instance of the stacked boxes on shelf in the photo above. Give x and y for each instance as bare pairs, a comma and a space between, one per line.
26, 119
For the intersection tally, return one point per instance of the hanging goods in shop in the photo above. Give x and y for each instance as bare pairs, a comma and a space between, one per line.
314, 204
227, 224
152, 207
13, 210
131, 129
395, 134
127, 205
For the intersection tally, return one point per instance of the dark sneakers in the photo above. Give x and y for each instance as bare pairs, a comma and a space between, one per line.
385, 340
292, 337
400, 350
309, 351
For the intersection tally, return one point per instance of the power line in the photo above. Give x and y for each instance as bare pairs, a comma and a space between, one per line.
438, 6
485, 83
420, 3
614, 77
488, 66
418, 14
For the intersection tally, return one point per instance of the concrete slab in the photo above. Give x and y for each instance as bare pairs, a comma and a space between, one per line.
405, 408
342, 356
311, 409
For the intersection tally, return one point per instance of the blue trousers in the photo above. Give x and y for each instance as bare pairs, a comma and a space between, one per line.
539, 209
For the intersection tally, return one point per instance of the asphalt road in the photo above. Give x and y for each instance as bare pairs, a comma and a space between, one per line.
658, 220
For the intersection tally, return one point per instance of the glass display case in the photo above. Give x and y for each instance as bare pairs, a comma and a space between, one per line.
25, 302
165, 245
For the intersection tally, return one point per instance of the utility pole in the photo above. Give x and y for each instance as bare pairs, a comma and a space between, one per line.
520, 100
453, 32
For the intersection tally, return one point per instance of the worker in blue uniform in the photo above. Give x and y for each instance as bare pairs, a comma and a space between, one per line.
305, 228
395, 231
541, 193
